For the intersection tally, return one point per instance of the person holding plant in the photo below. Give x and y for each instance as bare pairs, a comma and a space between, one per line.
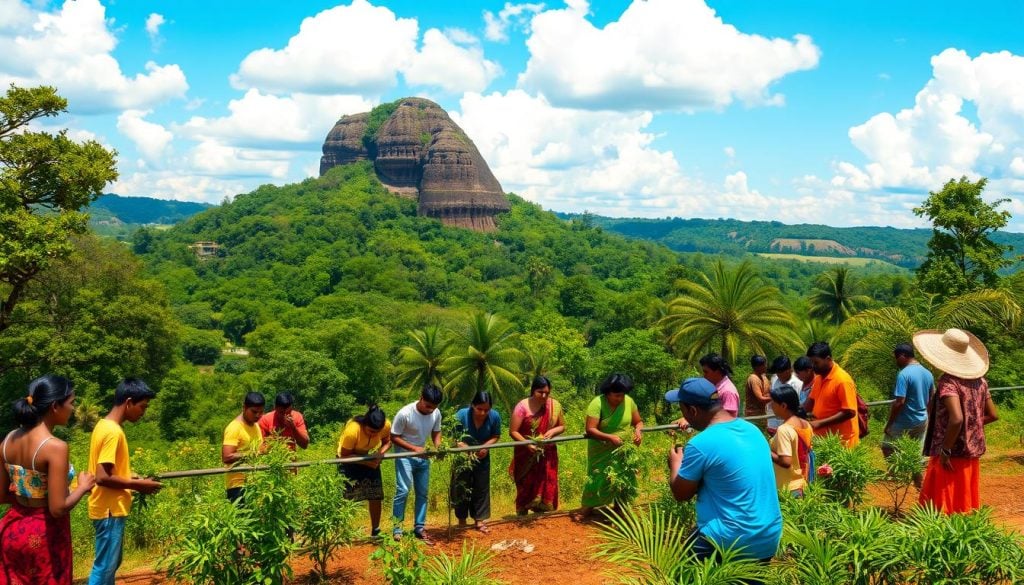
111, 499
365, 434
608, 417
242, 437
34, 481
727, 466
414, 424
791, 443
534, 468
476, 425
959, 411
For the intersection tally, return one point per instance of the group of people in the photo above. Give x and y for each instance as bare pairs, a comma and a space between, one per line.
730, 469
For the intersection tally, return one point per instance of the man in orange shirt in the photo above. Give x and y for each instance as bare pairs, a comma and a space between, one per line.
833, 399
285, 422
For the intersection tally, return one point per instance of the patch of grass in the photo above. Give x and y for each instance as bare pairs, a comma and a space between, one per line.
825, 259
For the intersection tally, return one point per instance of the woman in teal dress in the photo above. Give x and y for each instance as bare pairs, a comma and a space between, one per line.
608, 415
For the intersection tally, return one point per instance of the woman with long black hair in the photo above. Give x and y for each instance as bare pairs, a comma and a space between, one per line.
476, 425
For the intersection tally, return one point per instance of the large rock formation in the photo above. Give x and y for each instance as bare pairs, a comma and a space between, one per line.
419, 152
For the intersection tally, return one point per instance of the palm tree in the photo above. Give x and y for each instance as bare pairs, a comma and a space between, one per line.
730, 309
873, 334
490, 362
419, 363
835, 297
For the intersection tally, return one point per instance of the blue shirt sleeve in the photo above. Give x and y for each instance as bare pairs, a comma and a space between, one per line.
900, 390
495, 426
694, 460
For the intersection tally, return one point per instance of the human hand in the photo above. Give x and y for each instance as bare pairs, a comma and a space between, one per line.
289, 421
944, 460
615, 440
682, 424
675, 457
86, 481
533, 448
548, 435
148, 486
481, 453
638, 436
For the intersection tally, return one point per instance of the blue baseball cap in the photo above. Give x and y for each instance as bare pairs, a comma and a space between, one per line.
694, 392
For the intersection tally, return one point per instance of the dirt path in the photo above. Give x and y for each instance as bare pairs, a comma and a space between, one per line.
561, 550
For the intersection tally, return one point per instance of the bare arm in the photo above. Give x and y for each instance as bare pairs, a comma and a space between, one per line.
436, 436
558, 429
6, 497
58, 499
991, 415
105, 477
405, 445
682, 489
513, 427
842, 415
757, 389
638, 427
894, 410
230, 454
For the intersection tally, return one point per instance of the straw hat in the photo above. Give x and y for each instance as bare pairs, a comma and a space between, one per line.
954, 351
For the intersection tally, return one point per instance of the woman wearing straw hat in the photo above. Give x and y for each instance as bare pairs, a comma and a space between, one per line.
958, 413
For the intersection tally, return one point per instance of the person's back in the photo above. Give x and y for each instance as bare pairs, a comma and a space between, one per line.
737, 501
914, 383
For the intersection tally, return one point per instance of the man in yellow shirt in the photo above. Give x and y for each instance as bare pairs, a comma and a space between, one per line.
242, 437
833, 399
111, 499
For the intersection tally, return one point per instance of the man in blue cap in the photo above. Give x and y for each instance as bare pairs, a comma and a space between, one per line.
728, 466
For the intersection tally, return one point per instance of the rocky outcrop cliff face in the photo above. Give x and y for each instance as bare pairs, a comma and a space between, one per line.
419, 152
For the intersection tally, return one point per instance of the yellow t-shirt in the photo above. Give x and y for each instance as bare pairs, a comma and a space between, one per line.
359, 440
109, 445
244, 437
786, 442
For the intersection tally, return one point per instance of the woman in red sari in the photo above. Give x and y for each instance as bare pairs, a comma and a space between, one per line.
534, 468
958, 413
35, 533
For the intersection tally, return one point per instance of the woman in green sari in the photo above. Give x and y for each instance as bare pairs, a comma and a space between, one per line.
608, 416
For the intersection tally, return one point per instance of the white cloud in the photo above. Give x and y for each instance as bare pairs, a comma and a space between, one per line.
730, 152
153, 23
259, 120
150, 139
920, 148
461, 36
71, 48
454, 68
512, 15
177, 185
660, 55
361, 49
358, 48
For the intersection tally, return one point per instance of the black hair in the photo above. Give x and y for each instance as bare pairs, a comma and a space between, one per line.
780, 364
757, 360
819, 349
539, 382
284, 400
802, 363
43, 392
616, 383
482, 398
716, 362
432, 394
133, 389
786, 394
254, 399
374, 418
904, 350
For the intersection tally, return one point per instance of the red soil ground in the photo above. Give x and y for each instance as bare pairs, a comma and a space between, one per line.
562, 546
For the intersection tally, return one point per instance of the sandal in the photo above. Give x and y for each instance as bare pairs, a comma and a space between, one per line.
483, 528
422, 535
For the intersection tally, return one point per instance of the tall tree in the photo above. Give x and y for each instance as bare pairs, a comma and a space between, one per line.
961, 254
732, 308
45, 180
835, 296
420, 362
490, 361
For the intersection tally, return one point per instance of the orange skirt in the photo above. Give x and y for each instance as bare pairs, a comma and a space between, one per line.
952, 491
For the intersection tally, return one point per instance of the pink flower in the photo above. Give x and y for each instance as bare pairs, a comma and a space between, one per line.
825, 470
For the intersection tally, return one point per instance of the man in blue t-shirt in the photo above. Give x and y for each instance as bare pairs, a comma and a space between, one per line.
728, 466
908, 416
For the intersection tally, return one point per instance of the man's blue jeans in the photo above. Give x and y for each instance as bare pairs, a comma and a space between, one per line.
411, 472
109, 538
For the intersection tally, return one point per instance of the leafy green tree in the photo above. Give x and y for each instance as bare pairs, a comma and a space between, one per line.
45, 180
732, 308
201, 346
836, 296
961, 254
638, 353
360, 351
315, 381
490, 361
419, 363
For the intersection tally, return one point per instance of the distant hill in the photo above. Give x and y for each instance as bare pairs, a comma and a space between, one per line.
902, 247
117, 216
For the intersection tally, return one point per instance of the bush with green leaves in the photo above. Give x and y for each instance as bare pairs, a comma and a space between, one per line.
401, 561
324, 521
852, 470
903, 466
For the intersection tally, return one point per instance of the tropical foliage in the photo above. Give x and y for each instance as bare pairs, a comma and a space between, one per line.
835, 297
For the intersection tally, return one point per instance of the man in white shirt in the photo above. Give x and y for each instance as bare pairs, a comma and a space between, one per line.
410, 429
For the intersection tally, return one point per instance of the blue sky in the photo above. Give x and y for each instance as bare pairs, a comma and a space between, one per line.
839, 113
